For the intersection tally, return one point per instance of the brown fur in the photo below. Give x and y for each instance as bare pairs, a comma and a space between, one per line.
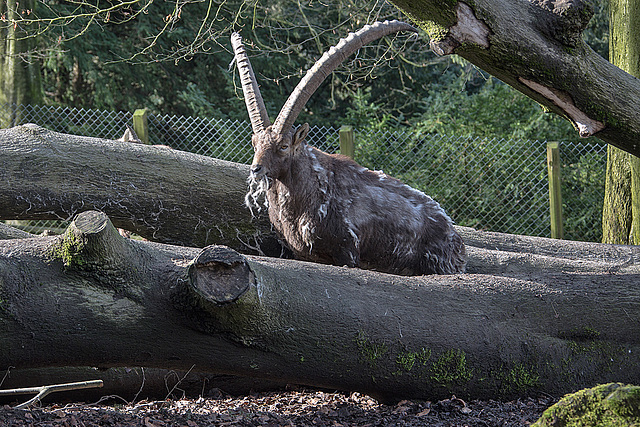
329, 209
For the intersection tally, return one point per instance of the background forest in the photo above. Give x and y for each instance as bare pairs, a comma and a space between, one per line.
174, 58
171, 62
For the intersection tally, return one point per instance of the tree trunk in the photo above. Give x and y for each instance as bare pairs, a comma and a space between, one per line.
537, 48
553, 320
7, 232
163, 195
616, 210
20, 81
621, 213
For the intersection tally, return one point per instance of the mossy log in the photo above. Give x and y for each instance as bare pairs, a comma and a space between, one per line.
606, 405
537, 47
93, 298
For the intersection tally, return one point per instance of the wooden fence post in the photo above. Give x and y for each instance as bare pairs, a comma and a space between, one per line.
140, 125
347, 145
555, 193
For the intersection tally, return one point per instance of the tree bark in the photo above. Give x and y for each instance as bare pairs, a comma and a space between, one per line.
553, 320
163, 195
537, 48
616, 208
621, 213
7, 232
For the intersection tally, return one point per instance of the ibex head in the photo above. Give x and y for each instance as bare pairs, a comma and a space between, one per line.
275, 152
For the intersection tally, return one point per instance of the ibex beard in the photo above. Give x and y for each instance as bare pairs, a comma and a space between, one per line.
258, 187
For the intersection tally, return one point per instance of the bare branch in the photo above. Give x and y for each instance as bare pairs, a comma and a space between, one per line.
44, 391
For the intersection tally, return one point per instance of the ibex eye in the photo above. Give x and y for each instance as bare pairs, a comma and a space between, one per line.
284, 147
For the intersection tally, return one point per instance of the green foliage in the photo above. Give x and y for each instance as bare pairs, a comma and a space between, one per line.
493, 110
408, 360
177, 61
196, 100
91, 74
365, 114
521, 379
370, 351
451, 369
583, 179
597, 33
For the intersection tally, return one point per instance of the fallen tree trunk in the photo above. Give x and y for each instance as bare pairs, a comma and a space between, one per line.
163, 195
93, 298
125, 383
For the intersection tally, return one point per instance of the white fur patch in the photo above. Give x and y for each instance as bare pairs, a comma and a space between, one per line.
323, 183
307, 231
257, 190
322, 210
350, 228
381, 175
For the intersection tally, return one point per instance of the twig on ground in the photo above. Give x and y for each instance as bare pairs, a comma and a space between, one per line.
48, 389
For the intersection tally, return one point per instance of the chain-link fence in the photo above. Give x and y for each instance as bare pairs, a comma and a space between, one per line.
495, 184
489, 184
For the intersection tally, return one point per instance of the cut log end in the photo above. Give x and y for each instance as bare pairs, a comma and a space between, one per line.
91, 222
219, 275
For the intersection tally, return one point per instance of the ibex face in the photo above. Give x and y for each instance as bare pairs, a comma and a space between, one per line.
275, 152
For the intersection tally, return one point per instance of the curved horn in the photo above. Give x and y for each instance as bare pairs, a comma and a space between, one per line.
329, 62
255, 105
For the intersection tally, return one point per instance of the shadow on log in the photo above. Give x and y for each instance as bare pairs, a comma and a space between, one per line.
93, 298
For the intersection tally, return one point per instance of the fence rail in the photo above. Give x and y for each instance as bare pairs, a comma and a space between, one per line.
490, 184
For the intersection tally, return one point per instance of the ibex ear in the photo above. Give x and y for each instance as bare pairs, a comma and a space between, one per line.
300, 134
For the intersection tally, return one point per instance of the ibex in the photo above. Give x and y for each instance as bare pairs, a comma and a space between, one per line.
326, 207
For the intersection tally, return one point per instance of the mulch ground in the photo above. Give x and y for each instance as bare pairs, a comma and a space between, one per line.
290, 408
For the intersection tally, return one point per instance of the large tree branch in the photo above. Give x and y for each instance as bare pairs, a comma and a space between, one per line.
537, 48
